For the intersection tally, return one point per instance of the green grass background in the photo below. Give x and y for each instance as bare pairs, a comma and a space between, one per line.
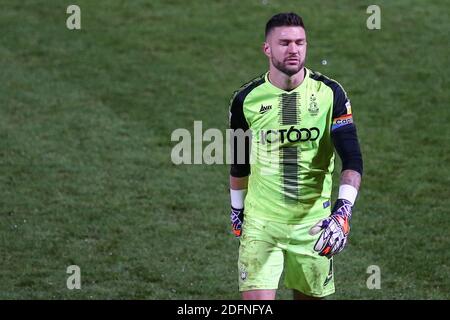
85, 124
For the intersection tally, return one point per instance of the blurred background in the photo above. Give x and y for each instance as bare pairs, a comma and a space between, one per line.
86, 118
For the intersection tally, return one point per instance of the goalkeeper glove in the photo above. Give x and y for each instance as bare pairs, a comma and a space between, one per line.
237, 217
335, 229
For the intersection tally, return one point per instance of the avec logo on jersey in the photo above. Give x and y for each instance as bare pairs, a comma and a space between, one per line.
264, 108
291, 135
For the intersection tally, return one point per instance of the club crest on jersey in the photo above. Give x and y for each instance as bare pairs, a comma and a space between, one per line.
313, 108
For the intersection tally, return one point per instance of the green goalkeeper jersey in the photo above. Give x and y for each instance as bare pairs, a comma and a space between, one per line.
290, 156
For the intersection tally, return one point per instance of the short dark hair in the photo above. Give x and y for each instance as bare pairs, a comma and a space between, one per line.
284, 19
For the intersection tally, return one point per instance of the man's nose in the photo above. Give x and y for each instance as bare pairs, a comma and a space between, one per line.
292, 47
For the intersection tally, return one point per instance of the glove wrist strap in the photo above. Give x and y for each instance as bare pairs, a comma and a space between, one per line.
237, 198
348, 192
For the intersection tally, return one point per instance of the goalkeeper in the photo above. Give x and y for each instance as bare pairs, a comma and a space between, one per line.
281, 175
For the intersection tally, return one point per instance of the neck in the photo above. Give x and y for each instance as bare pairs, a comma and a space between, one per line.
285, 82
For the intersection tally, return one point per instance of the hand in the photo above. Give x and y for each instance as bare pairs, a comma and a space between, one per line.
335, 229
237, 217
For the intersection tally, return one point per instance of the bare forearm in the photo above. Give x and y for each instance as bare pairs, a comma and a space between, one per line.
238, 183
351, 177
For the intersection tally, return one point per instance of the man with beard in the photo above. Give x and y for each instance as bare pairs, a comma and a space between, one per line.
281, 174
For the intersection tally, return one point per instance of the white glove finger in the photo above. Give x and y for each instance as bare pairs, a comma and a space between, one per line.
323, 240
343, 244
334, 248
340, 245
319, 226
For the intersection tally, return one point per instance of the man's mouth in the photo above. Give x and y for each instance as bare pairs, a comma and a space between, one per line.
291, 60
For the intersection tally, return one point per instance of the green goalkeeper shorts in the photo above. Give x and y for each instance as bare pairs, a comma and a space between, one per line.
267, 247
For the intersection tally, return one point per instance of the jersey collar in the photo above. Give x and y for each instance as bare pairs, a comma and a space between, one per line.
279, 90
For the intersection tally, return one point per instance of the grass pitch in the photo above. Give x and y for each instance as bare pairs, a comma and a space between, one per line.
86, 118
